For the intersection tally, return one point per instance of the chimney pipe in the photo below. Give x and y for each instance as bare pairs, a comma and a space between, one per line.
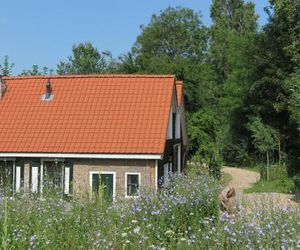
2, 87
48, 89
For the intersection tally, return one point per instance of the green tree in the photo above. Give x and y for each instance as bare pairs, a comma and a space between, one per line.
203, 139
293, 85
264, 138
234, 23
127, 64
232, 33
6, 67
35, 70
274, 94
86, 59
175, 42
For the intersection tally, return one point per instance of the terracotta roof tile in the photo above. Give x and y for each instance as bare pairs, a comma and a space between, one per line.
88, 114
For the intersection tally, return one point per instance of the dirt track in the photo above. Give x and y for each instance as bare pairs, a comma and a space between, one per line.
242, 179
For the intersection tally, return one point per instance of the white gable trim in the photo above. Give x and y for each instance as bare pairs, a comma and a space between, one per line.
84, 156
173, 110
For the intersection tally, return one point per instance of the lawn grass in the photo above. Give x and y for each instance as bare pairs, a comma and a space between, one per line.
276, 186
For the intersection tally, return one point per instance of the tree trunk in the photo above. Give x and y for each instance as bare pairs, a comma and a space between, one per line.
268, 170
279, 152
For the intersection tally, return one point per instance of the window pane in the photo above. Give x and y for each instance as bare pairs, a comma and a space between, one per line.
132, 184
95, 183
6, 174
53, 175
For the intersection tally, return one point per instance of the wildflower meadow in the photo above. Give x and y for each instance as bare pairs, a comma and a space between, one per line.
184, 214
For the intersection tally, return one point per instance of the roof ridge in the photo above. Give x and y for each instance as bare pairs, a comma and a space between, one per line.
87, 76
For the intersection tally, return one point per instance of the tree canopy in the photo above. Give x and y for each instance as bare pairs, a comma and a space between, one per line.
85, 59
241, 83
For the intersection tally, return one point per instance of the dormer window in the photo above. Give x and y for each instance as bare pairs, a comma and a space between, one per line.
48, 96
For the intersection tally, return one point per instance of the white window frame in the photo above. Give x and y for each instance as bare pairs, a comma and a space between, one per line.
132, 173
67, 174
103, 172
34, 184
17, 179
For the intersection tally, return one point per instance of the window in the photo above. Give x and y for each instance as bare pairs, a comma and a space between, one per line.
104, 181
53, 175
174, 126
132, 184
57, 176
11, 175
178, 130
6, 174
177, 158
167, 171
171, 125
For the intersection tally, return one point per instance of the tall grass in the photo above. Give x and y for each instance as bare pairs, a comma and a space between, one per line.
183, 215
279, 181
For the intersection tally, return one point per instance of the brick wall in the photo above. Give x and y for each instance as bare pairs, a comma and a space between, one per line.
83, 167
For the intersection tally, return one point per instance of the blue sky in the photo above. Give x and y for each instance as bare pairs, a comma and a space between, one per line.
43, 32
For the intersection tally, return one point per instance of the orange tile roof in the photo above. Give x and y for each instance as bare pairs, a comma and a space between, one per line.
124, 114
179, 85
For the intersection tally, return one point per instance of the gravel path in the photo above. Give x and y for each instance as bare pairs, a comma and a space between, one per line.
242, 179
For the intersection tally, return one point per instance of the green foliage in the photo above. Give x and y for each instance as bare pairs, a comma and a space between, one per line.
202, 132
241, 85
293, 86
175, 42
281, 185
279, 180
86, 59
225, 179
202, 127
234, 15
231, 37
175, 33
264, 137
35, 70
6, 67
277, 172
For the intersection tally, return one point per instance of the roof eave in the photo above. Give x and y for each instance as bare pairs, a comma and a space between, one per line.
83, 156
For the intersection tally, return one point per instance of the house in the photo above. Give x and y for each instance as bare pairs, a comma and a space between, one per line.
75, 132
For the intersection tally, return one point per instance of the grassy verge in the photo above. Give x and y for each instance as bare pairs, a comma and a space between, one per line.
225, 179
276, 186
253, 169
